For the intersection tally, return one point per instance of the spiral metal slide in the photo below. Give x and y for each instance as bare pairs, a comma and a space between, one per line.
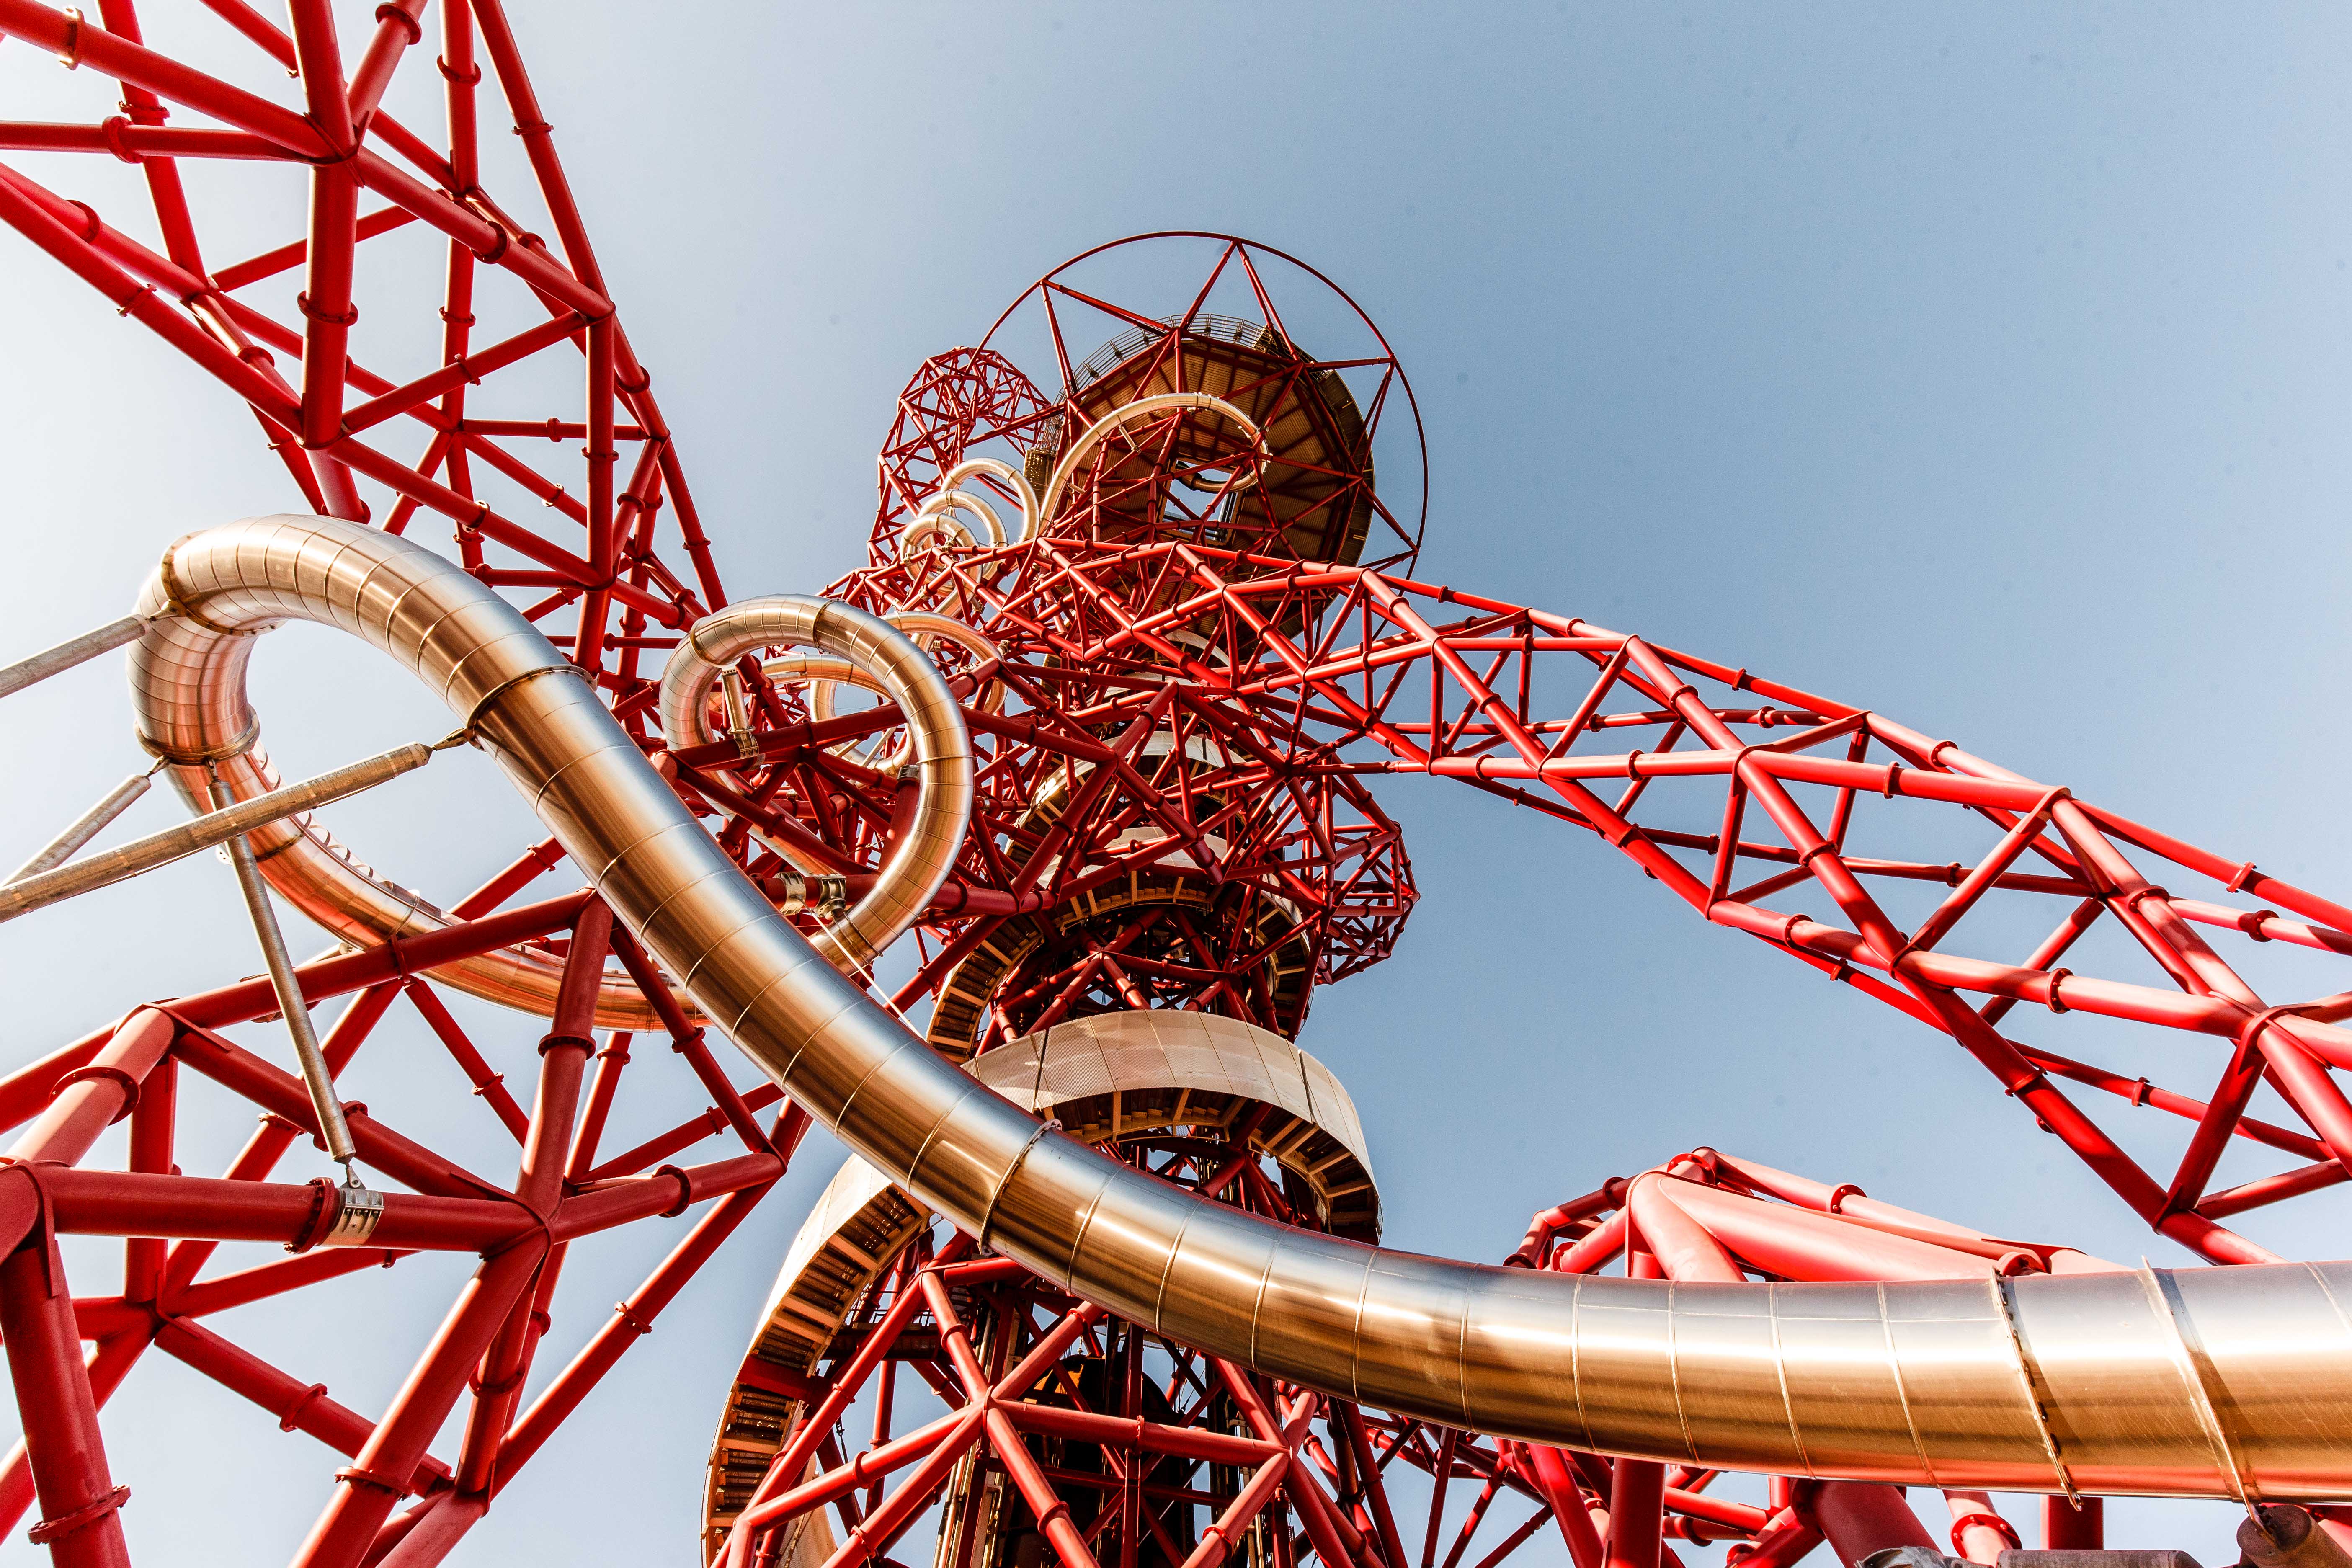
2217, 1383
1141, 634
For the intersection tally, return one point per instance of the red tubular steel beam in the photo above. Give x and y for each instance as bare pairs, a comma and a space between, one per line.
26, 1092
131, 1203
71, 37
25, 215
1978, 1533
687, 1040
529, 867
283, 1094
538, 144
2265, 1189
1219, 1537
396, 29
2076, 1526
105, 1092
1684, 1248
458, 373
1315, 1511
840, 1481
368, 1490
665, 1191
250, 999
1790, 1540
539, 1185
271, 1140
141, 141
785, 1469
1636, 1515
298, 1407
80, 1501
563, 1061
610, 1063
1548, 1470
110, 1361
709, 1124
257, 1284
1797, 1244
633, 1319
490, 1086
1859, 1518
154, 1120
1391, 1545
1114, 1431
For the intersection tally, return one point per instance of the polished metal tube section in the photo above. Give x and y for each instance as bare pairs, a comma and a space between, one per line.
2210, 1381
926, 852
1127, 414
1014, 480
219, 827
188, 697
66, 655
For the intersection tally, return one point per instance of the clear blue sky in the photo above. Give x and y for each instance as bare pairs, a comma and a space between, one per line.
1987, 365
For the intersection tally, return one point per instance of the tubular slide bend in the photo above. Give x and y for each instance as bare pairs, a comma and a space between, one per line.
2214, 1382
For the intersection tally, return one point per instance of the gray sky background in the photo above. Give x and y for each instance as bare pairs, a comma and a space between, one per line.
1985, 365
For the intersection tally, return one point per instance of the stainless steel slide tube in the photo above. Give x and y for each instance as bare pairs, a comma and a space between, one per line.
943, 750
2208, 1382
187, 692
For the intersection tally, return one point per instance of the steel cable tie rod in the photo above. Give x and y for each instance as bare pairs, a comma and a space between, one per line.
87, 827
357, 1208
336, 1132
21, 896
66, 655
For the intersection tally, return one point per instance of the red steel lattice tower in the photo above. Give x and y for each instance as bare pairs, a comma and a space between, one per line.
1173, 598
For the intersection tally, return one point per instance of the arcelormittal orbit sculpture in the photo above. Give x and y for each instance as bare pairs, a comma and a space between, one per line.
1093, 737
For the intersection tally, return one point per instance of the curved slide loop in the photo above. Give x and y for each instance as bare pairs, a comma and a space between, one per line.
929, 630
187, 692
877, 654
2100, 1381
971, 505
937, 526
1127, 414
1009, 475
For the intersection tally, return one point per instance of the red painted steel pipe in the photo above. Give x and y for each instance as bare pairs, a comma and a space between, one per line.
94, 45
1548, 1470
1859, 1518
1114, 1431
1788, 1540
298, 1407
1315, 1511
77, 1496
1218, 1538
631, 1321
1797, 1243
1636, 1511
368, 1489
956, 1430
1683, 1246
129, 1203
1978, 1532
110, 1363
106, 1091
248, 1000
2078, 1526
282, 1094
